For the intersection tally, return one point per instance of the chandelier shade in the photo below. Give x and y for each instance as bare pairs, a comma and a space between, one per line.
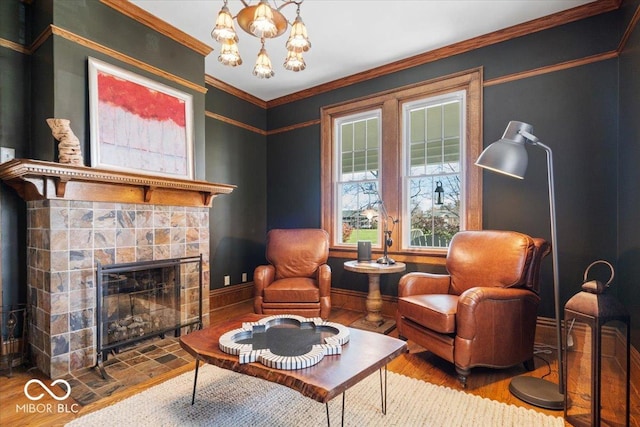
262, 24
294, 61
298, 40
224, 31
263, 21
229, 54
263, 68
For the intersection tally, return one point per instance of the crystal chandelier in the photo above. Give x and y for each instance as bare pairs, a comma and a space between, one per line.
265, 22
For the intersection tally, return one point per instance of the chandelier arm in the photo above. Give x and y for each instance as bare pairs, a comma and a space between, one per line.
297, 3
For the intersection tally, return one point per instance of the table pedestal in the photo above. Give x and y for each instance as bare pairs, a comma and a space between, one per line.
374, 321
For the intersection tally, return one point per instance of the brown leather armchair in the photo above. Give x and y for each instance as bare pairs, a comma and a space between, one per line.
483, 312
297, 280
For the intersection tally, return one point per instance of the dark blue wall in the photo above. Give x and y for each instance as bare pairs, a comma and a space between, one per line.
575, 111
236, 155
628, 280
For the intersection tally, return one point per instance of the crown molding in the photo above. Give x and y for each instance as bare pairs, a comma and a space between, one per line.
574, 14
142, 16
83, 41
232, 90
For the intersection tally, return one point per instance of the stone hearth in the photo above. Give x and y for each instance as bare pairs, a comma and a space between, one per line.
77, 216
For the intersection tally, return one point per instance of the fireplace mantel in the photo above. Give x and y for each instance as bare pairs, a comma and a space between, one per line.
40, 180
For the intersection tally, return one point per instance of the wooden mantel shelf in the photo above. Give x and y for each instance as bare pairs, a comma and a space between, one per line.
39, 180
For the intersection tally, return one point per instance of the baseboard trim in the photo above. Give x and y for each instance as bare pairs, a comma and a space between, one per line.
229, 295
613, 344
356, 301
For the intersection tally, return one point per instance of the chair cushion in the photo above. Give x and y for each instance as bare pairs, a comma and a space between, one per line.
297, 252
488, 258
298, 289
435, 312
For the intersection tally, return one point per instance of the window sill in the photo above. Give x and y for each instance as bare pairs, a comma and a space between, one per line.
435, 257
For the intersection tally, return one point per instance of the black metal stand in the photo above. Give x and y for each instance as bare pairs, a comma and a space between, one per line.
384, 259
195, 381
537, 392
383, 398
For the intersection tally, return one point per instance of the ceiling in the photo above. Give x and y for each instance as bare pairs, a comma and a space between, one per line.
349, 36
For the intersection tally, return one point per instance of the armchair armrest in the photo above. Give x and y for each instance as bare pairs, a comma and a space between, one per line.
479, 307
323, 276
418, 283
263, 276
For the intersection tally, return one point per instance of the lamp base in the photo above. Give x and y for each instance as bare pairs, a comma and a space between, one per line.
537, 392
386, 260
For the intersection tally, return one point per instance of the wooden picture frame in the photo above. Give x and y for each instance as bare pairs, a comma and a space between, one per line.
139, 125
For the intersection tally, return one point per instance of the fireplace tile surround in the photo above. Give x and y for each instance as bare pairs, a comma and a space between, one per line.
77, 216
64, 241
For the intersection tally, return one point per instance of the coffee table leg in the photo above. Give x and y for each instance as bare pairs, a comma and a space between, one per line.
327, 406
383, 396
195, 381
383, 390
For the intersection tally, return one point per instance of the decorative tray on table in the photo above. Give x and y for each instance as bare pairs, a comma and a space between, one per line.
285, 341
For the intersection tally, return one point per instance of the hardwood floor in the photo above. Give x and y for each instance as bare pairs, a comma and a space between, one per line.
418, 363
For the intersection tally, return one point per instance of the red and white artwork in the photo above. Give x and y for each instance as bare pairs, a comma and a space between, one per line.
139, 126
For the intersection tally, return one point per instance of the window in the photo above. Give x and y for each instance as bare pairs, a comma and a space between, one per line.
357, 180
412, 149
432, 144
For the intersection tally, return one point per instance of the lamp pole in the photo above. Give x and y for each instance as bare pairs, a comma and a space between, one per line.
554, 254
509, 156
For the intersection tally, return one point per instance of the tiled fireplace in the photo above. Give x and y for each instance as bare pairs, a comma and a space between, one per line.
66, 238
156, 219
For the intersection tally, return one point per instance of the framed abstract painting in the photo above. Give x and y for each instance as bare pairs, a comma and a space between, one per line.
139, 125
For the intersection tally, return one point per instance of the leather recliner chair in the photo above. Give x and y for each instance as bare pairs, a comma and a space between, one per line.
484, 311
297, 279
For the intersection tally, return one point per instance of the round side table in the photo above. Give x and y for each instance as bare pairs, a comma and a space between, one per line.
374, 321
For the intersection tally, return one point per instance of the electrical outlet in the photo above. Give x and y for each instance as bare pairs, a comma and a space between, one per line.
244, 277
7, 154
227, 280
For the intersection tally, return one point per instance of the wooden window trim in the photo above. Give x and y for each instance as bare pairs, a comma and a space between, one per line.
391, 104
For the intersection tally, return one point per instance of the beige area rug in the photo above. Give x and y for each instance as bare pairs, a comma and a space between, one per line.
225, 398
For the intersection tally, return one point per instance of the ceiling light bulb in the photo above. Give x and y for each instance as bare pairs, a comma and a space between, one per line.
294, 61
263, 24
298, 39
229, 54
263, 67
224, 30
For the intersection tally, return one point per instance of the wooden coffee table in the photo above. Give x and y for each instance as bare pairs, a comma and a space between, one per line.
365, 353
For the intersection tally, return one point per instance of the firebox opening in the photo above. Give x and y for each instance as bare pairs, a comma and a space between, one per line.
141, 300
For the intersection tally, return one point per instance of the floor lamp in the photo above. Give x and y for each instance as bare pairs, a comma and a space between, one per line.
509, 156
